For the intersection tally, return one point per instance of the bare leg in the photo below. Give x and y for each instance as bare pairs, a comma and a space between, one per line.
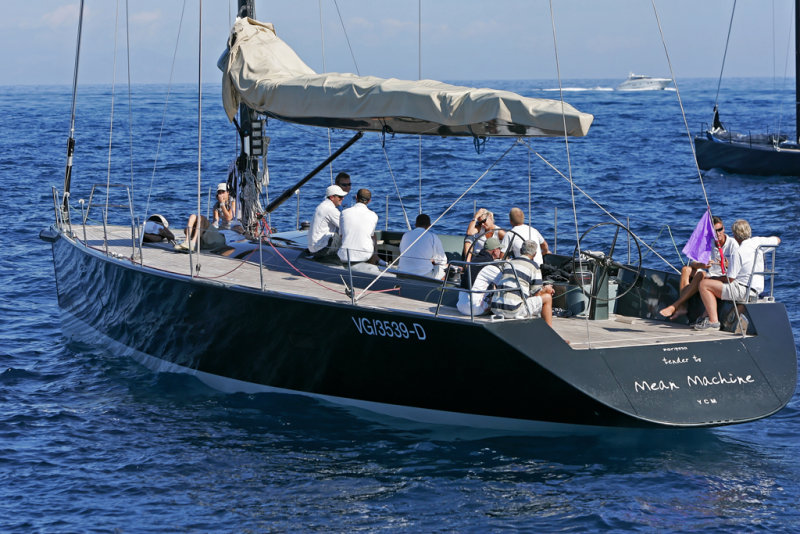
678, 308
191, 228
547, 308
710, 291
687, 273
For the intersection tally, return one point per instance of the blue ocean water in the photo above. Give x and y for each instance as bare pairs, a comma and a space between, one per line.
93, 442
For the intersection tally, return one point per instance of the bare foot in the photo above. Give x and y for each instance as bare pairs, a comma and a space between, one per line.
682, 310
667, 312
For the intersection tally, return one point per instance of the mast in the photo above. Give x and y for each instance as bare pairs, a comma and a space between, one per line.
253, 145
71, 139
797, 70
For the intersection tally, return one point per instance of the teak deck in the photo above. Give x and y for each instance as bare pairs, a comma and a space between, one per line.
582, 333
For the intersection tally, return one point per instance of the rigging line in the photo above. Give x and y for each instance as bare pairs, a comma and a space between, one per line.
71, 139
569, 160
199, 137
397, 189
724, 55
786, 70
596, 203
653, 243
774, 66
419, 77
130, 103
349, 46
164, 113
564, 122
456, 201
301, 273
680, 101
111, 124
242, 261
530, 184
325, 69
347, 38
675, 245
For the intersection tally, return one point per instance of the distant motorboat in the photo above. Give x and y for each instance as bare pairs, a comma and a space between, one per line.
640, 82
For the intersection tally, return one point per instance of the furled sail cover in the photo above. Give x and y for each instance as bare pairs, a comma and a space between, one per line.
267, 75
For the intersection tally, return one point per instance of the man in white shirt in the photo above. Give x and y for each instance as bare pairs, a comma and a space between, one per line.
357, 227
521, 232
477, 302
324, 239
422, 255
752, 261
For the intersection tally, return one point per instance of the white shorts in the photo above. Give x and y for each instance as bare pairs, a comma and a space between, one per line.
479, 307
534, 306
736, 291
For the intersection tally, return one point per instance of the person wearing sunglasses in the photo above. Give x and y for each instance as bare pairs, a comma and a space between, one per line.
723, 265
343, 180
748, 277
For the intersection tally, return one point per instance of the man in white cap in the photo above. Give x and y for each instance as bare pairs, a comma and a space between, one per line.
324, 238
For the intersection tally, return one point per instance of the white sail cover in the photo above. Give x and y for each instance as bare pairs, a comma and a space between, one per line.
264, 73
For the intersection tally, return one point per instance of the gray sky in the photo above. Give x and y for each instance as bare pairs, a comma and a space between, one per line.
461, 39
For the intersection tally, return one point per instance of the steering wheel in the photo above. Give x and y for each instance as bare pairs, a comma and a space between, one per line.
604, 260
511, 239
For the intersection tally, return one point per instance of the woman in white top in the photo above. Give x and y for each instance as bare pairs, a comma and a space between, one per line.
480, 228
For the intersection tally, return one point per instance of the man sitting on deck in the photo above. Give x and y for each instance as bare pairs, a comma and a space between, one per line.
323, 239
358, 234
422, 255
523, 275
752, 261
479, 278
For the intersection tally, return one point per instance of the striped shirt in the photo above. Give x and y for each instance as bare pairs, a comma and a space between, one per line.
528, 281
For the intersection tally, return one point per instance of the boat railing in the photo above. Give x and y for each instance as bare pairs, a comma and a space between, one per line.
760, 140
466, 268
108, 206
59, 214
764, 250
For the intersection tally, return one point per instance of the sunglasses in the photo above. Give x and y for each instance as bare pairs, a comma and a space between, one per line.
719, 230
345, 185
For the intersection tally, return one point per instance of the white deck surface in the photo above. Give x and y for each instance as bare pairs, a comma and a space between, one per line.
617, 331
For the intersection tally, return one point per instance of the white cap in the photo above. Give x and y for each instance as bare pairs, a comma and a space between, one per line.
159, 219
222, 187
335, 190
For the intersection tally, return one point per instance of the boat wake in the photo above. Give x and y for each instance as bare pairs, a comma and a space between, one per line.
580, 89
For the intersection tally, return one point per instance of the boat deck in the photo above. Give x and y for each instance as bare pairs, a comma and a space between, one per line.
617, 331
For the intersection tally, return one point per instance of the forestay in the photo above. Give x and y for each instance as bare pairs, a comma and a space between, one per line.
264, 73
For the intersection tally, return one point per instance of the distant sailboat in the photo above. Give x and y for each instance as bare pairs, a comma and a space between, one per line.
745, 153
640, 82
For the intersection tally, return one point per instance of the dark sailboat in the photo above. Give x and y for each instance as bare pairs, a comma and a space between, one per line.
745, 153
395, 343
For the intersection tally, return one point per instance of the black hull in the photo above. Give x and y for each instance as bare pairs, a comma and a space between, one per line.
742, 158
241, 339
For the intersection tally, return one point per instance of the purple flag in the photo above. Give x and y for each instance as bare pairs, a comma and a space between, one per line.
701, 243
